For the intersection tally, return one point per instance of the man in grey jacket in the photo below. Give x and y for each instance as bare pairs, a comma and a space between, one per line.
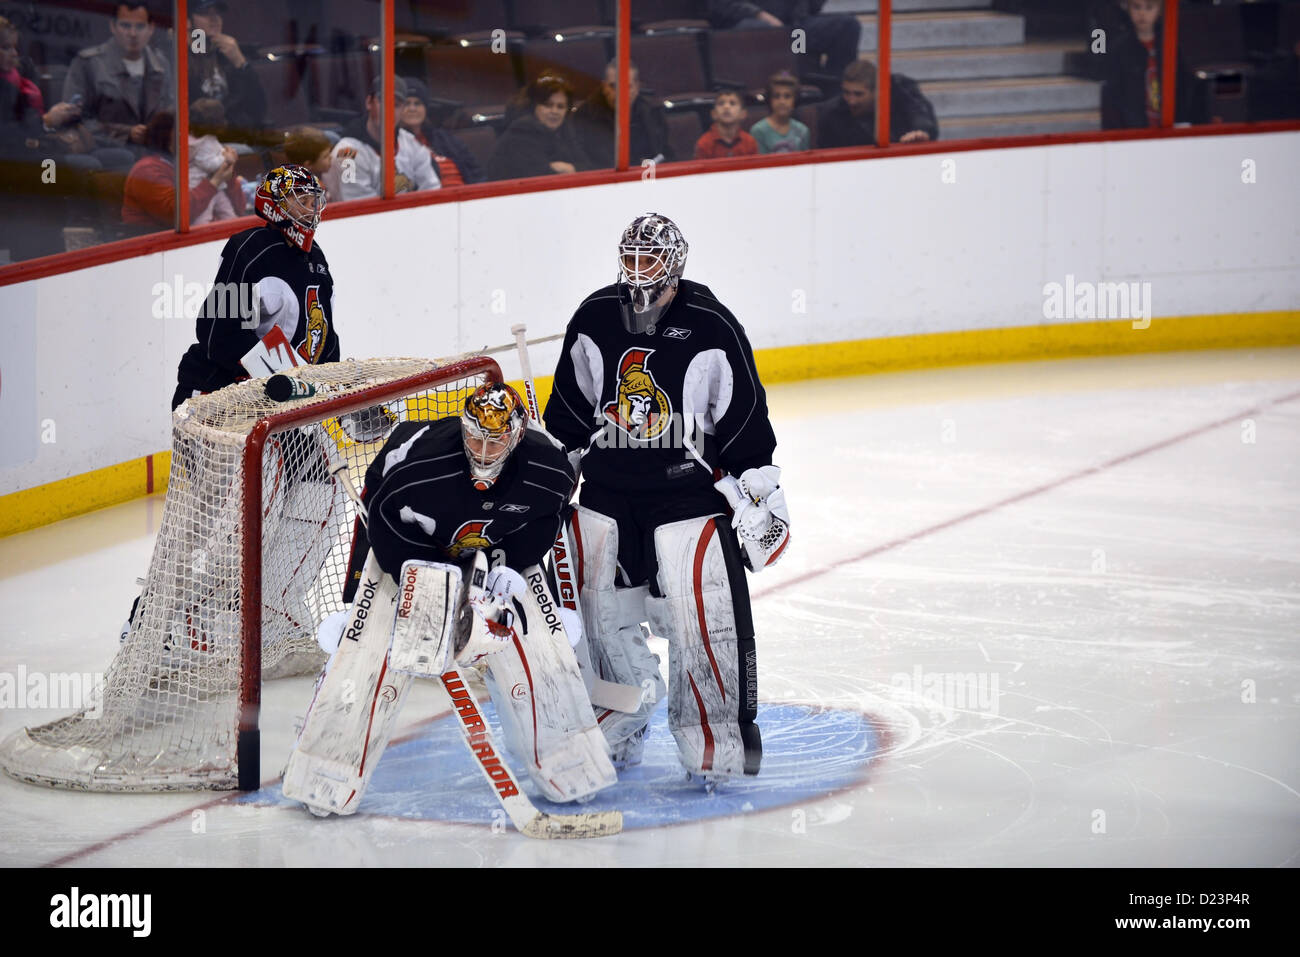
120, 84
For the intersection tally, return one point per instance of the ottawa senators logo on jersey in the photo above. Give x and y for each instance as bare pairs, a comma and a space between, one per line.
313, 346
469, 535
642, 409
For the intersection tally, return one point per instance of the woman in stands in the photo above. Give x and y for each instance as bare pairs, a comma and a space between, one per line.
540, 142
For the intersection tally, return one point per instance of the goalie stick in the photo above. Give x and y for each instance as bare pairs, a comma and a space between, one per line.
525, 816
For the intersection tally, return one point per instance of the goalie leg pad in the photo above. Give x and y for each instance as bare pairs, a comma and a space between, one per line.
352, 714
539, 694
704, 614
612, 619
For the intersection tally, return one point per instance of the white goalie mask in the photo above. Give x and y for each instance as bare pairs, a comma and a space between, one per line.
493, 422
651, 258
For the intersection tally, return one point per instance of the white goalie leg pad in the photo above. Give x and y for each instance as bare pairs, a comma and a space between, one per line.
697, 617
356, 704
546, 717
430, 598
612, 619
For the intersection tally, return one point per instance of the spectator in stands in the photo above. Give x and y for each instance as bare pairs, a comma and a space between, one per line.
456, 164
725, 137
539, 142
780, 132
1130, 65
22, 108
120, 85
831, 39
309, 147
208, 156
150, 197
593, 121
222, 72
357, 171
850, 118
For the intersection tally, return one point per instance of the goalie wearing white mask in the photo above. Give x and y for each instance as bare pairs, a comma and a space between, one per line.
657, 400
444, 500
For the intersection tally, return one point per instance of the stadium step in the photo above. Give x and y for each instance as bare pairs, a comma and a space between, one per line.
974, 63
904, 6
917, 31
1020, 124
1044, 94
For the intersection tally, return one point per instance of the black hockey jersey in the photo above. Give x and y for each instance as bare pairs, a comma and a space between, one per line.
294, 290
423, 504
660, 412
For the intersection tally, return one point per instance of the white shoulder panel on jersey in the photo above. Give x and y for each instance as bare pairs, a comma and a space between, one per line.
588, 368
706, 389
277, 306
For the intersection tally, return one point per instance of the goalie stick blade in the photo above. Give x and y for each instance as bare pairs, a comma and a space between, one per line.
565, 826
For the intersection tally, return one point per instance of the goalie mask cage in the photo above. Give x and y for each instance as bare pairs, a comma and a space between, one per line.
251, 556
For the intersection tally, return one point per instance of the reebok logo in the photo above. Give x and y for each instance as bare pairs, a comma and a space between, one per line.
672, 332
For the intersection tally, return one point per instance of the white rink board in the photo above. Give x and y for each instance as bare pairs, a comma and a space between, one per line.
875, 248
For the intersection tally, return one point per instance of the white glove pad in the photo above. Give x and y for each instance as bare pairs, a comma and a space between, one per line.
759, 514
503, 583
330, 633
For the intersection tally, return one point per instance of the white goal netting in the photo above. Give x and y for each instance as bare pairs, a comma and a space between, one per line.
179, 705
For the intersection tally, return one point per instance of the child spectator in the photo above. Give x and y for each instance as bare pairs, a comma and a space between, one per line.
309, 147
539, 142
780, 132
1130, 67
150, 196
456, 164
208, 157
725, 138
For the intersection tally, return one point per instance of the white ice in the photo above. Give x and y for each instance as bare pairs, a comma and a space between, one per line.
1105, 551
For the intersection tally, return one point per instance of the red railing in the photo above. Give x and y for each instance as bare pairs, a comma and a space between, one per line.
186, 236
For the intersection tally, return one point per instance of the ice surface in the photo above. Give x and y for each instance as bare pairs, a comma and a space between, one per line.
1033, 614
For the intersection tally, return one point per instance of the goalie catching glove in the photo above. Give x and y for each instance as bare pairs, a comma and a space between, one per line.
759, 514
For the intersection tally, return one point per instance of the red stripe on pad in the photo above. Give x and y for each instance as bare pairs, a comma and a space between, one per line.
707, 764
698, 578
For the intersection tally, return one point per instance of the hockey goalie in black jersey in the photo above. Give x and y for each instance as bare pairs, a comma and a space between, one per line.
271, 277
658, 402
451, 497
483, 480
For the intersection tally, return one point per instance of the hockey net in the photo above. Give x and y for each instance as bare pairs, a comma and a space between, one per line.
251, 556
